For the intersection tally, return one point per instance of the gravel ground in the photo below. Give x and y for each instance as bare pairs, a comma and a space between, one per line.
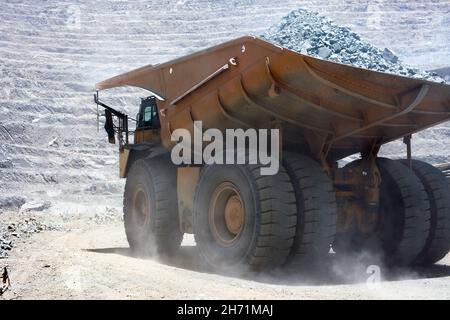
86, 260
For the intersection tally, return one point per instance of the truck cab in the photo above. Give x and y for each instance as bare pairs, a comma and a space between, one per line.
147, 121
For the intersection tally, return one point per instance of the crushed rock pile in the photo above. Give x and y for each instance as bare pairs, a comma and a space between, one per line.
309, 33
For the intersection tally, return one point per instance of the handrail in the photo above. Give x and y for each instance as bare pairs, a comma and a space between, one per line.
226, 66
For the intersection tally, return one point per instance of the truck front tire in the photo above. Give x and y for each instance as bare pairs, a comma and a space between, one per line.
150, 207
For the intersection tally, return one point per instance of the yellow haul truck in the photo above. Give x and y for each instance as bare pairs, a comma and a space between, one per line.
324, 112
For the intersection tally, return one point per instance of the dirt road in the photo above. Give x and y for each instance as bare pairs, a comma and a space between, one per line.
88, 260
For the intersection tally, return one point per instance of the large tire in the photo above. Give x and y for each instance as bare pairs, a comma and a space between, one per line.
264, 237
438, 190
404, 219
150, 207
316, 211
405, 213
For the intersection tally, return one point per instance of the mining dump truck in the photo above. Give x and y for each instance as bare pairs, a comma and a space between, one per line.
324, 112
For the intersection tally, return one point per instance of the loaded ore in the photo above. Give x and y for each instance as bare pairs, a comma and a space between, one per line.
314, 35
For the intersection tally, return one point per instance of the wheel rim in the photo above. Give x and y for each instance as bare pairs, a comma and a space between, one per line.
141, 207
226, 214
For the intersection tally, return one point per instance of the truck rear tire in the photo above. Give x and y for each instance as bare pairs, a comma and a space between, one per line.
405, 213
150, 207
438, 190
316, 211
404, 219
243, 219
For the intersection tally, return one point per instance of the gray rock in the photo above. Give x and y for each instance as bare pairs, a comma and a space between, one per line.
352, 49
53, 143
390, 55
6, 245
337, 47
324, 52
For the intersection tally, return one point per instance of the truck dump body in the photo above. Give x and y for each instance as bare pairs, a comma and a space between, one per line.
319, 104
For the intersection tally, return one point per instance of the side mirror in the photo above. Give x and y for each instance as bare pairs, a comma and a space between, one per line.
109, 126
